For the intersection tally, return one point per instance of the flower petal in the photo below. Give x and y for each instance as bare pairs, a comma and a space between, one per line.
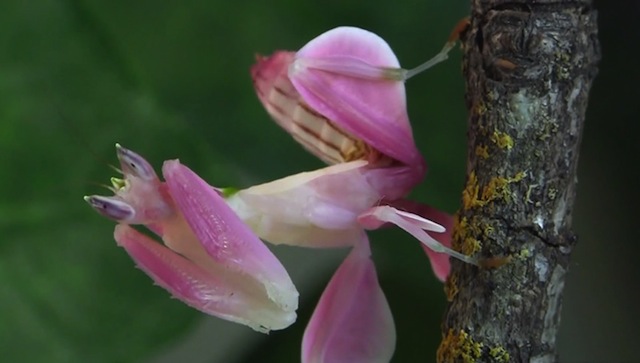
226, 296
352, 321
369, 109
224, 237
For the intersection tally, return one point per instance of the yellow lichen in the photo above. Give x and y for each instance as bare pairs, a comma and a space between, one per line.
482, 151
456, 347
459, 225
497, 188
459, 231
451, 287
461, 347
468, 234
465, 235
480, 108
502, 139
470, 246
470, 192
494, 189
499, 354
519, 176
488, 230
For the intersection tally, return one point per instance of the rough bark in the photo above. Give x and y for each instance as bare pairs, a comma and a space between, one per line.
528, 67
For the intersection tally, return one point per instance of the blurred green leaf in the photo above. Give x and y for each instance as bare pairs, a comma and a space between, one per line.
67, 293
166, 81
170, 80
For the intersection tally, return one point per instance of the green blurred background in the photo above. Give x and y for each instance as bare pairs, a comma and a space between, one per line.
169, 80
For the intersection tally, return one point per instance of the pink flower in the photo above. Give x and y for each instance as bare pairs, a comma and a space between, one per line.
342, 97
210, 260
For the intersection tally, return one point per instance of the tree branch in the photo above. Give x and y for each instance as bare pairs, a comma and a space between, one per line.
528, 66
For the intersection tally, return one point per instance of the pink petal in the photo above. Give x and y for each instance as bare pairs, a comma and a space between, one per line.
224, 237
224, 296
352, 321
371, 110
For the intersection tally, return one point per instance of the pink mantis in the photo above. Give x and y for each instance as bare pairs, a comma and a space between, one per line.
342, 97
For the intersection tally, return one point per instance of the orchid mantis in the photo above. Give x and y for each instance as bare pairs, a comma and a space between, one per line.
342, 97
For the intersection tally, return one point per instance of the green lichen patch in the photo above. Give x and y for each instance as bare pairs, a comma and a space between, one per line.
499, 354
524, 254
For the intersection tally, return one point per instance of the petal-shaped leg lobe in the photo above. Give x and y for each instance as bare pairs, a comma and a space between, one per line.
222, 296
224, 236
352, 321
368, 109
